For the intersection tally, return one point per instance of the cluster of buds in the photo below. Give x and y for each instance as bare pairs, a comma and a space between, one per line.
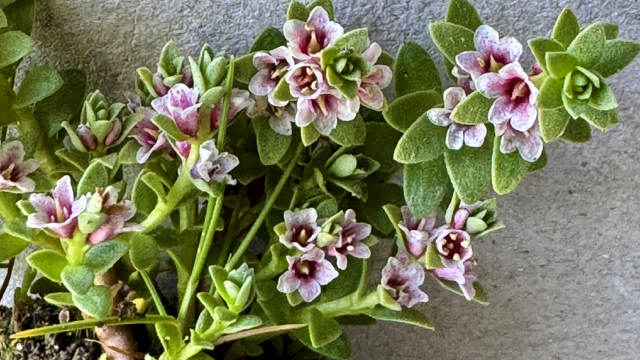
100, 215
322, 76
493, 69
101, 125
340, 236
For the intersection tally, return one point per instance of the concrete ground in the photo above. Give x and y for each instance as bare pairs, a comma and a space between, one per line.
563, 277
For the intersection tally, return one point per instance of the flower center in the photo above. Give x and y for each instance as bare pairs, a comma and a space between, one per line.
314, 45
10, 173
280, 69
306, 80
521, 90
62, 213
454, 245
305, 269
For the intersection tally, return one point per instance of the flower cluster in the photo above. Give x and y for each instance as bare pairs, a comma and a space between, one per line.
494, 71
339, 236
318, 78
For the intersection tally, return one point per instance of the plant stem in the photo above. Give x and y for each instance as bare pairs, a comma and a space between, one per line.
91, 323
254, 332
224, 253
7, 278
349, 305
265, 210
222, 128
152, 290
177, 192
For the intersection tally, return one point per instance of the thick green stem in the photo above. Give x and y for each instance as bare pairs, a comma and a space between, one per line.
222, 129
265, 210
228, 238
154, 293
77, 248
177, 192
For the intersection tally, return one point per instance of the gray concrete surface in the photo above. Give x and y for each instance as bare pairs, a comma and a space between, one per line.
563, 277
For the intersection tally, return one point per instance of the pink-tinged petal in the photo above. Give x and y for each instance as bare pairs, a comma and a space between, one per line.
283, 53
12, 152
507, 50
455, 138
493, 85
417, 242
309, 290
523, 116
327, 31
25, 184
78, 206
43, 204
371, 95
416, 296
460, 219
485, 39
451, 274
29, 166
277, 103
160, 105
38, 220
452, 97
360, 251
104, 233
262, 84
472, 62
306, 113
531, 148
288, 282
439, 116
63, 192
513, 71
372, 53
297, 36
474, 135
145, 152
508, 143
263, 60
501, 110
468, 290
325, 273
326, 123
383, 76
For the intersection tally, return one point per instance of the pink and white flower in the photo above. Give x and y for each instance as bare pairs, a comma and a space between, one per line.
461, 273
272, 66
402, 280
240, 100
118, 213
306, 80
370, 89
308, 39
302, 229
529, 143
280, 117
306, 274
14, 170
325, 110
150, 138
458, 134
452, 241
491, 54
418, 232
213, 166
349, 240
180, 104
59, 212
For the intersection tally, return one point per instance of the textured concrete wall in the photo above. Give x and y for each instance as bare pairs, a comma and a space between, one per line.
563, 276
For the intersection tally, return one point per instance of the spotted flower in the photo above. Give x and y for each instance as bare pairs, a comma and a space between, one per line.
272, 66
453, 243
458, 134
280, 117
59, 212
529, 143
349, 240
402, 280
325, 110
180, 104
14, 170
306, 80
308, 39
117, 215
213, 166
418, 231
491, 54
370, 89
461, 273
306, 274
302, 229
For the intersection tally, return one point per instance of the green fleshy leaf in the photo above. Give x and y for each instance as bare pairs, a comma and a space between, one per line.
322, 330
96, 176
95, 303
386, 59
415, 71
170, 337
507, 170
170, 63
346, 87
356, 41
350, 133
127, 155
343, 166
339, 349
470, 169
603, 98
298, 11
169, 127
41, 82
59, 299
14, 45
553, 122
11, 246
282, 91
536, 166
244, 70
246, 322
269, 39
309, 134
425, 184
481, 294
550, 95
566, 28
7, 97
102, 257
432, 257
462, 13
64, 104
473, 110
198, 78
577, 131
142, 196
386, 300
19, 14
560, 64
406, 316
451, 39
50, 264
78, 279
541, 46
601, 119
217, 70
423, 141
616, 55
405, 110
3, 20
143, 251
19, 229
326, 4
588, 45
271, 145
379, 144
610, 30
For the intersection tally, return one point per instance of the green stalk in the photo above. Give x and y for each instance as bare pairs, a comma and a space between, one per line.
77, 248
351, 304
228, 238
177, 192
254, 332
90, 324
265, 210
152, 290
7, 278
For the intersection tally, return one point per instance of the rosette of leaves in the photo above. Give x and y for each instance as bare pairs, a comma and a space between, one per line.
344, 64
576, 62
